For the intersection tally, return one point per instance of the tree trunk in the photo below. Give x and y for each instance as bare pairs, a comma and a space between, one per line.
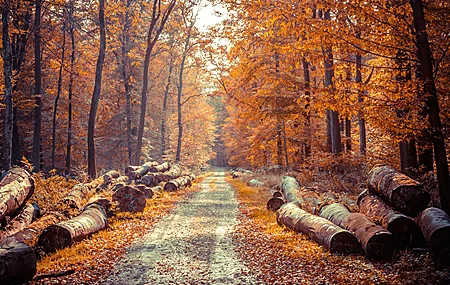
408, 157
348, 134
136, 172
431, 101
58, 95
307, 80
322, 231
30, 234
126, 66
156, 14
435, 225
129, 199
377, 242
291, 190
361, 121
279, 144
402, 192
179, 106
71, 79
8, 88
15, 188
165, 106
37, 88
26, 216
64, 234
405, 229
336, 146
177, 184
97, 89
17, 264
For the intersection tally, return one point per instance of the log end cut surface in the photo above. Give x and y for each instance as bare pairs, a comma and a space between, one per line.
17, 264
55, 237
274, 204
381, 246
344, 242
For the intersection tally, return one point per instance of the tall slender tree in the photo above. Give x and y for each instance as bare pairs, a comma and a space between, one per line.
157, 23
70, 15
97, 89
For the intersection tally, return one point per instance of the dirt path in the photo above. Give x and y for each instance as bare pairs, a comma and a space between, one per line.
190, 246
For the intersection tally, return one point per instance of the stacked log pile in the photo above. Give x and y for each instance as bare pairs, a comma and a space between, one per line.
81, 213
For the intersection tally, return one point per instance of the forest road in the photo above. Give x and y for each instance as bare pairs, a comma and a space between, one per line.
192, 245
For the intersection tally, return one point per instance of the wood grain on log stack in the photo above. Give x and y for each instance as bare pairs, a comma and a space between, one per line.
275, 203
405, 229
30, 234
402, 192
435, 225
64, 234
26, 216
129, 199
153, 179
17, 264
376, 241
100, 200
179, 183
165, 166
136, 172
291, 190
309, 200
74, 199
15, 188
321, 230
148, 192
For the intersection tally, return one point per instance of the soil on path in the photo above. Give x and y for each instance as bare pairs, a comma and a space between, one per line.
192, 245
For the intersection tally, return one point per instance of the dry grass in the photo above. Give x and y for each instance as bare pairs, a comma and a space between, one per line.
278, 255
94, 258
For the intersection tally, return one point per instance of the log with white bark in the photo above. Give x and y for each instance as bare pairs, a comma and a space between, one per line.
321, 230
165, 166
64, 234
110, 176
27, 215
255, 183
129, 199
405, 229
136, 172
376, 241
74, 199
17, 264
15, 188
275, 203
402, 192
30, 234
435, 225
179, 183
291, 190
154, 178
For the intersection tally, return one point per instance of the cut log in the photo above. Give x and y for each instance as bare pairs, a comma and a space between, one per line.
309, 200
405, 229
376, 241
110, 176
435, 225
179, 183
17, 264
100, 200
15, 188
275, 203
30, 234
322, 231
160, 167
26, 216
291, 190
129, 199
402, 192
153, 179
64, 234
277, 194
148, 192
75, 198
137, 172
255, 183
